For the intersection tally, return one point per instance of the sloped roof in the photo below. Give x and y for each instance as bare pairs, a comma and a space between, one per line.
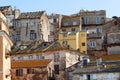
31, 15
37, 47
109, 67
2, 8
30, 63
107, 57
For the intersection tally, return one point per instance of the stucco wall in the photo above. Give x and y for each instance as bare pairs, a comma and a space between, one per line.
99, 76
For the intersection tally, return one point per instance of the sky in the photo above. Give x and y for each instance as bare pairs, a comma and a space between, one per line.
66, 7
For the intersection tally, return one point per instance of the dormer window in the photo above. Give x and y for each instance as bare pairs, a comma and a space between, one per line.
22, 47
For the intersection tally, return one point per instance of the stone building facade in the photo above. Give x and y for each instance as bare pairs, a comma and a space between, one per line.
55, 21
111, 33
71, 23
92, 22
32, 26
11, 14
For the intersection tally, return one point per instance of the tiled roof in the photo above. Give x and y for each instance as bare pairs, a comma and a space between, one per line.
108, 67
30, 63
37, 47
4, 7
31, 15
108, 57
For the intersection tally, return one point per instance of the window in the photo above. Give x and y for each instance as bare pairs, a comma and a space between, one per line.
92, 44
30, 57
18, 24
22, 47
65, 43
38, 57
20, 58
86, 20
97, 30
88, 77
26, 29
30, 71
74, 23
84, 77
65, 24
56, 68
97, 20
83, 35
19, 72
93, 77
44, 44
111, 76
56, 57
18, 36
64, 30
32, 35
83, 44
55, 20
73, 29
65, 35
86, 28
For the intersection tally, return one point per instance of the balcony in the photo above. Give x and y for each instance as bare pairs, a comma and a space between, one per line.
94, 35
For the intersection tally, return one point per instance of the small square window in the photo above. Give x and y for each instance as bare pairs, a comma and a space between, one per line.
64, 30
65, 35
83, 35
30, 57
30, 71
83, 44
73, 29
19, 72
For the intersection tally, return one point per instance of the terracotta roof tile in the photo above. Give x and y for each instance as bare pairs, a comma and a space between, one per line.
30, 63
107, 57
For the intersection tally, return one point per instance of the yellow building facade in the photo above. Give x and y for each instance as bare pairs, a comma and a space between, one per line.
74, 40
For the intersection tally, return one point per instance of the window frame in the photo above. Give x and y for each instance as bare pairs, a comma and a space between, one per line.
33, 35
92, 44
19, 72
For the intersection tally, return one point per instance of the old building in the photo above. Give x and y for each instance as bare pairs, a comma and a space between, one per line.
11, 14
32, 69
92, 22
71, 23
32, 26
111, 33
55, 21
62, 57
74, 40
5, 48
104, 67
